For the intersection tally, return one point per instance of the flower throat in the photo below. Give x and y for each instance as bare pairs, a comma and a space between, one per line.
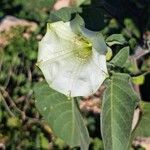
84, 51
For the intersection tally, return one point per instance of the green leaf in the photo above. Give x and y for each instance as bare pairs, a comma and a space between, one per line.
77, 23
83, 2
139, 80
121, 57
143, 129
63, 14
80, 2
132, 27
118, 106
63, 116
115, 39
109, 54
41, 141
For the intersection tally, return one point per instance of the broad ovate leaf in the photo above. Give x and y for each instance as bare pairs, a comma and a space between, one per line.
143, 128
63, 116
80, 2
109, 54
121, 57
63, 14
139, 80
73, 63
118, 105
115, 39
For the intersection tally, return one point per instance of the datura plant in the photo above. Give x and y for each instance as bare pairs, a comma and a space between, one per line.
73, 62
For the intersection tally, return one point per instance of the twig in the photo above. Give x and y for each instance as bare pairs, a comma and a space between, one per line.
140, 52
26, 100
5, 93
8, 78
29, 74
5, 105
1, 61
13, 105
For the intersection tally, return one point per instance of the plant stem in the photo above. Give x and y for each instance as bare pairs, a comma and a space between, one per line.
6, 106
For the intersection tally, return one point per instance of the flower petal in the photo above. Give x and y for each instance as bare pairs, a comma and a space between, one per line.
53, 46
63, 30
99, 70
90, 76
59, 62
73, 78
61, 74
96, 39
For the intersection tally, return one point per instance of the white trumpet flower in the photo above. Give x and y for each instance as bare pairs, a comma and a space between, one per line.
73, 63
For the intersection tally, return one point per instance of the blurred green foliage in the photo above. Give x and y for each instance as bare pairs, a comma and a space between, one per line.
36, 10
18, 72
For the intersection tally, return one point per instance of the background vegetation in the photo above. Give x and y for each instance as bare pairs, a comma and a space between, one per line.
21, 125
